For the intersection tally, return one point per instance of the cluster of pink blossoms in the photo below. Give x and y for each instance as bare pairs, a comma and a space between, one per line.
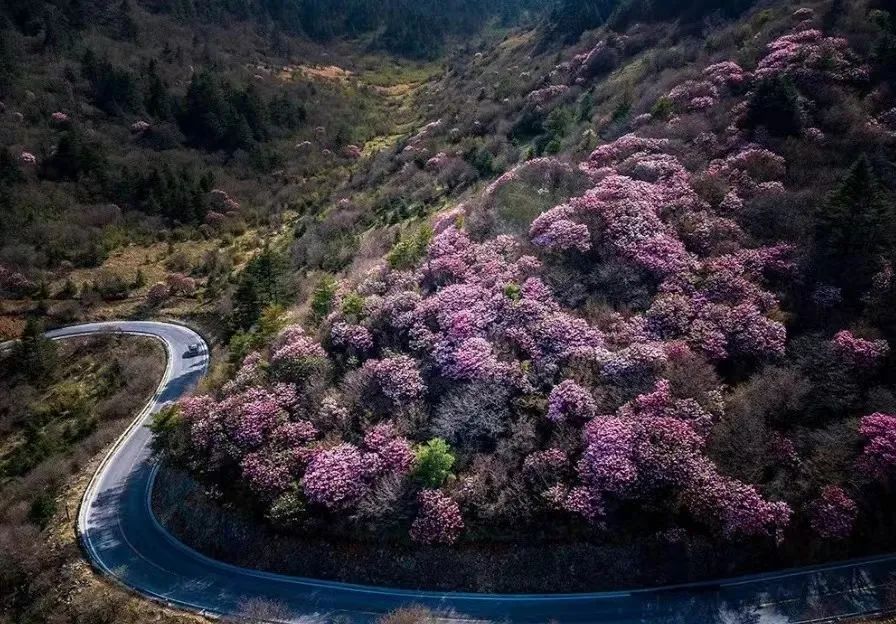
180, 284
338, 477
543, 96
354, 337
736, 506
478, 311
439, 520
809, 56
833, 514
538, 171
749, 172
657, 441
643, 210
859, 352
294, 353
694, 95
879, 455
254, 427
222, 201
393, 450
698, 95
569, 400
397, 377
726, 74
546, 465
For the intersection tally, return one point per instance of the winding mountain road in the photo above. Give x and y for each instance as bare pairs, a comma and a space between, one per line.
123, 540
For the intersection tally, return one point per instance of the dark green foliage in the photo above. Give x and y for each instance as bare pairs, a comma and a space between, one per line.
353, 305
529, 125
114, 89
9, 61
322, 298
481, 160
415, 28
210, 117
854, 230
42, 509
76, 155
165, 427
775, 106
685, 11
409, 250
9, 169
215, 115
264, 282
286, 112
586, 107
180, 196
35, 356
570, 18
156, 99
663, 109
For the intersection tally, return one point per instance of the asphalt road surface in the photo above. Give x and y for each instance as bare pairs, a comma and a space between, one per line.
123, 539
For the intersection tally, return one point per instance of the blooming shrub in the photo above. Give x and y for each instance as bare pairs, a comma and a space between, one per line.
547, 94
811, 57
179, 284
833, 514
439, 520
858, 352
394, 451
295, 356
157, 294
397, 378
571, 401
694, 95
14, 281
336, 478
356, 337
879, 454
726, 74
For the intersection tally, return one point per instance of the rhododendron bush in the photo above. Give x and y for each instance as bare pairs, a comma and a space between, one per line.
550, 400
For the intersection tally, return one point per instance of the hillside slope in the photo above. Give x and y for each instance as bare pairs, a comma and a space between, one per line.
606, 283
652, 311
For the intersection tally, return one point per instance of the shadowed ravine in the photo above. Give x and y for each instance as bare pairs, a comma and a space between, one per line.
123, 539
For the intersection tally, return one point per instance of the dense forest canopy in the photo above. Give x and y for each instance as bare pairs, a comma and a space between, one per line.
409, 27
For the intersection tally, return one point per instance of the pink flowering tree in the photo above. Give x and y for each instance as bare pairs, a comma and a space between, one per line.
398, 378
338, 477
438, 521
394, 451
879, 455
570, 401
833, 514
295, 356
858, 352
